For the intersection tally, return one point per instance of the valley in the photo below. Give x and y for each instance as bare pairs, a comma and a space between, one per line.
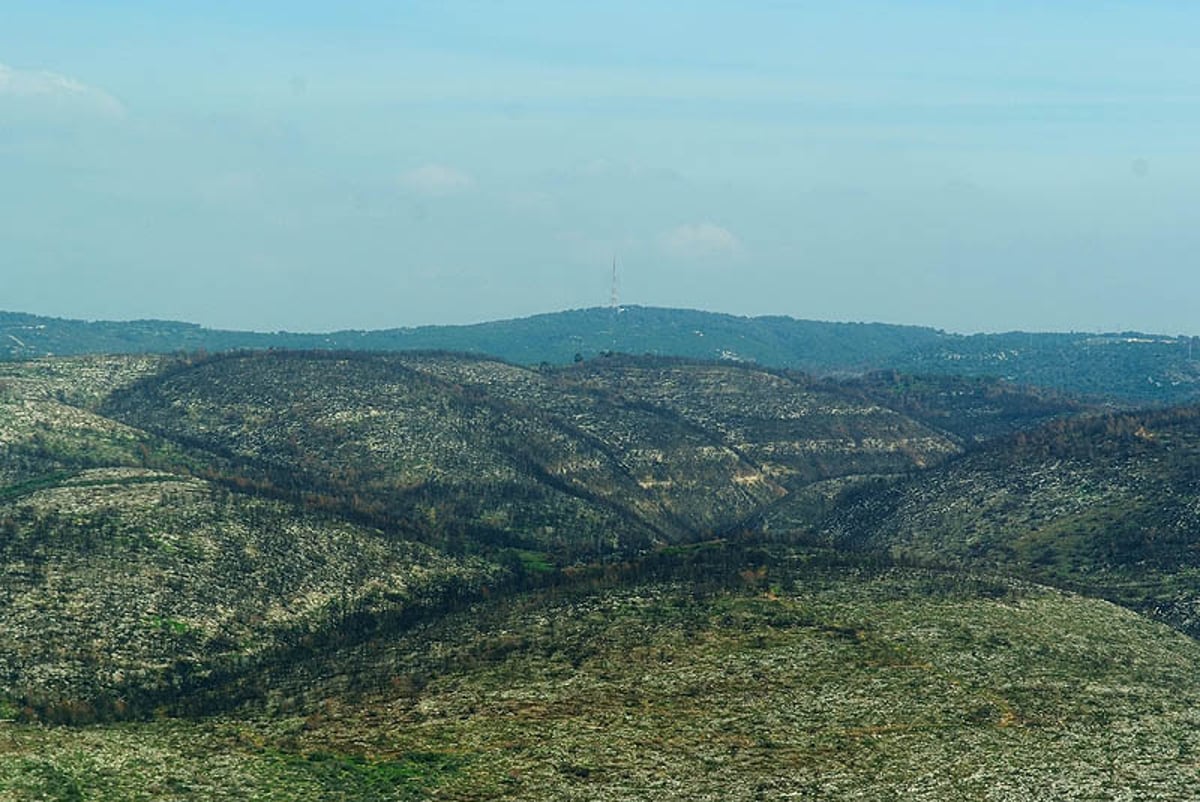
333, 574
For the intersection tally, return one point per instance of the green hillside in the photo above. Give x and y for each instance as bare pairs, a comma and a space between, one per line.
390, 576
605, 456
171, 529
1108, 505
1126, 367
127, 590
821, 683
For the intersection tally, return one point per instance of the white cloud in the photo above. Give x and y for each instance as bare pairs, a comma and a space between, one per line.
43, 87
436, 180
699, 241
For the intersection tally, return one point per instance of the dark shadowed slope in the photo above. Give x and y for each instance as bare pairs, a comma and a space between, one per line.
971, 409
1109, 505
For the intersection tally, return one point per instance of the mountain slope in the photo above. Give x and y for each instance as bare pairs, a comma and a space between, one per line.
973, 410
1126, 367
1109, 505
126, 590
169, 530
426, 575
615, 454
827, 683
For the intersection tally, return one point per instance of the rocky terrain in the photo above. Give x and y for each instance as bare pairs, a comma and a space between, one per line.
599, 457
1108, 505
172, 527
830, 683
335, 575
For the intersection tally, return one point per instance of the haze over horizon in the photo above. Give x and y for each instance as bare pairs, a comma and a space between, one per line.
568, 311
375, 165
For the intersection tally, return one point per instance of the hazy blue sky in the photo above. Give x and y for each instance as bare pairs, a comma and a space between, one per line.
303, 165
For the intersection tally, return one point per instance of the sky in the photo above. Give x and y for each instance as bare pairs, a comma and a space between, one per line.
308, 166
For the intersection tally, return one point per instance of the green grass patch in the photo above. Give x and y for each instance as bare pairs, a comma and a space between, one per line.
172, 625
31, 486
531, 562
361, 778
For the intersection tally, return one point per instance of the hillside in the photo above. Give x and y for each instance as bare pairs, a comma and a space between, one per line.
555, 337
388, 576
125, 590
810, 682
1108, 505
609, 455
308, 490
1129, 367
319, 496
973, 410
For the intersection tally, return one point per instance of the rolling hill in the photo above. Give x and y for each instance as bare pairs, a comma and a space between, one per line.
335, 574
1127, 367
1108, 505
605, 456
807, 681
320, 495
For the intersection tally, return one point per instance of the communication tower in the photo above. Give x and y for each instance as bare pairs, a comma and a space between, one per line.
614, 299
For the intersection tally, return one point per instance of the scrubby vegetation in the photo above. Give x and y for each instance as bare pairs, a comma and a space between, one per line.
1107, 505
598, 458
830, 683
972, 409
1127, 367
426, 575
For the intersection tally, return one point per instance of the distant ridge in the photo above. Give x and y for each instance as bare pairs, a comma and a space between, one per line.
1128, 367
555, 337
